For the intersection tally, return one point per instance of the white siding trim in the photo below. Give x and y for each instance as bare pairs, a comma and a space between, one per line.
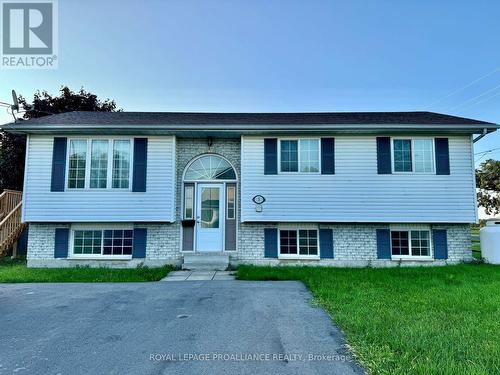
25, 196
473, 170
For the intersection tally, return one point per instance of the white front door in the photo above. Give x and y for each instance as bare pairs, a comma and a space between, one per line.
210, 217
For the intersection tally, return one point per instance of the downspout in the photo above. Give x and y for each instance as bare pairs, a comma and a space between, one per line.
485, 131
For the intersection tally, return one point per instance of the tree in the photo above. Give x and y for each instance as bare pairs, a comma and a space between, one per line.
488, 184
12, 146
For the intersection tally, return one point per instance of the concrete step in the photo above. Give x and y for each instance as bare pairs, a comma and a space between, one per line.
206, 261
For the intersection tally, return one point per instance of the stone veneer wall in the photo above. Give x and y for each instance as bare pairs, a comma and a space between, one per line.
354, 245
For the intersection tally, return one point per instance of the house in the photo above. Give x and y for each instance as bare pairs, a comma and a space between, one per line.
341, 189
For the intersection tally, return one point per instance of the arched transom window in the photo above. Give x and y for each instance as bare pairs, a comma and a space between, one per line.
210, 167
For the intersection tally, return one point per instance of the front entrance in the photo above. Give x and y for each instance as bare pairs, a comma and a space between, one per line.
209, 209
210, 217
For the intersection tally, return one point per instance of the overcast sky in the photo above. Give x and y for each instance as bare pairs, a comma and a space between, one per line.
269, 55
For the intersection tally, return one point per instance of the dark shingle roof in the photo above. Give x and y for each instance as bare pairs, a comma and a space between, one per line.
200, 118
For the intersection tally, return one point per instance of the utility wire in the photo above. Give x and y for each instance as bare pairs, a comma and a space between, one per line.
474, 98
485, 100
487, 151
465, 87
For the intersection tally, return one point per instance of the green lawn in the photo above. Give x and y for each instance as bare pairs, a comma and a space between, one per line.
426, 320
15, 271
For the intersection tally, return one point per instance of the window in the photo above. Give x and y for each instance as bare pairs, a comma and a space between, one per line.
308, 242
420, 243
77, 163
289, 156
414, 243
302, 242
91, 166
231, 202
87, 242
288, 242
300, 155
424, 158
413, 155
402, 155
210, 167
99, 164
188, 202
400, 245
116, 242
309, 155
210, 207
121, 163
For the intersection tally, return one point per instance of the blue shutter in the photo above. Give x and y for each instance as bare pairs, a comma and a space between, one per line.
270, 242
442, 156
327, 155
326, 243
439, 238
139, 244
61, 243
271, 156
140, 164
384, 155
383, 244
58, 164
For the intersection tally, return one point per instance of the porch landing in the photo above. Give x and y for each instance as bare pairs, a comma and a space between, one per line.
199, 275
205, 261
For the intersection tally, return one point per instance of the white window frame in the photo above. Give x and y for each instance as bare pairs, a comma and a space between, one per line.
88, 160
192, 187
227, 202
101, 228
409, 229
413, 139
68, 154
298, 155
297, 256
89, 143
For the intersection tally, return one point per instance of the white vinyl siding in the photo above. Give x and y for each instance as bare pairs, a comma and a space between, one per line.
100, 205
356, 193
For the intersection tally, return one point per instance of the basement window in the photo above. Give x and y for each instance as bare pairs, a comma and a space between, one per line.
298, 243
94, 243
410, 244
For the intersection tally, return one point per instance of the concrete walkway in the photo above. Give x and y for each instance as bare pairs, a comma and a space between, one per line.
199, 275
189, 327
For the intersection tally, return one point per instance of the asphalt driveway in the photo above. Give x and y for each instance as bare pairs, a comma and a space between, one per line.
190, 327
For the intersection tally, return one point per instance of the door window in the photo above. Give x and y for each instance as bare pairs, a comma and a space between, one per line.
210, 207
